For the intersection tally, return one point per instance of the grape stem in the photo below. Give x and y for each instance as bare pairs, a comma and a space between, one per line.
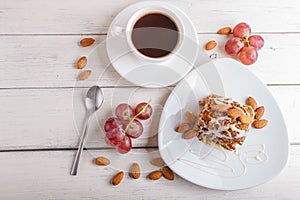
245, 39
134, 117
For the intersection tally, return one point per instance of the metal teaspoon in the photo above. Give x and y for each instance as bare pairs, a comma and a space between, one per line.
93, 101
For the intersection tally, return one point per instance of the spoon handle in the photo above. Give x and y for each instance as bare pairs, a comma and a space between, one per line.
80, 148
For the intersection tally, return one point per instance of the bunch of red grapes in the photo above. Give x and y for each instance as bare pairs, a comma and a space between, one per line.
243, 45
126, 126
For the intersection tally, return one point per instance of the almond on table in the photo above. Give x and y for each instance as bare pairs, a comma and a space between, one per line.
167, 173
85, 42
84, 75
135, 171
158, 162
155, 175
81, 63
224, 31
116, 180
210, 45
102, 161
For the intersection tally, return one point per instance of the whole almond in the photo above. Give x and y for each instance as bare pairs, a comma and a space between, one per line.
224, 30
189, 134
116, 180
155, 175
234, 113
210, 45
167, 173
261, 123
181, 128
103, 161
135, 171
246, 119
81, 63
158, 162
85, 42
259, 112
190, 117
251, 102
84, 75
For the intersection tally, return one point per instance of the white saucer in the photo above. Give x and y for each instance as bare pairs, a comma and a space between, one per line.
141, 72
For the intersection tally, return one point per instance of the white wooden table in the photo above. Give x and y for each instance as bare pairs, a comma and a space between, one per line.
41, 107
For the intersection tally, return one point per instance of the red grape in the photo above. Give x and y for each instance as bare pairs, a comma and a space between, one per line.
134, 130
248, 55
256, 41
242, 30
146, 114
112, 123
114, 137
233, 46
124, 111
125, 145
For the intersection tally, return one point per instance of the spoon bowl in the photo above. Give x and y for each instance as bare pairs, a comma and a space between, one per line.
94, 99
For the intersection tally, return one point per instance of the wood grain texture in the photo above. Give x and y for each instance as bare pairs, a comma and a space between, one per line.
45, 175
41, 101
93, 16
53, 118
49, 61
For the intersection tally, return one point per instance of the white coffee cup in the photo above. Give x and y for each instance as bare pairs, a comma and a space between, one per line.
128, 29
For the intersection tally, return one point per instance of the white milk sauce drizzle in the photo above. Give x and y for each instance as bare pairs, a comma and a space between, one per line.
220, 165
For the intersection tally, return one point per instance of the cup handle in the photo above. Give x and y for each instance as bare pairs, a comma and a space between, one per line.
116, 30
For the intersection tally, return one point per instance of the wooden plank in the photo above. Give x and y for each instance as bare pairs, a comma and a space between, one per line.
53, 118
69, 17
42, 61
45, 175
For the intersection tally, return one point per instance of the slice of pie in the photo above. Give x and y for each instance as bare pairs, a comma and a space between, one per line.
221, 121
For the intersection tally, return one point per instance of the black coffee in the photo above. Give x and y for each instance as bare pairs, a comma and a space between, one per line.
155, 35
